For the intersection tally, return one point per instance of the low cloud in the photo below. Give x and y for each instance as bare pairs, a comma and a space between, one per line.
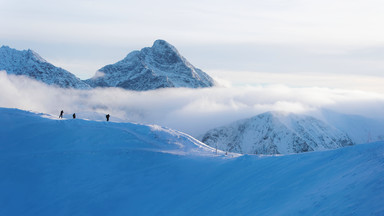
190, 110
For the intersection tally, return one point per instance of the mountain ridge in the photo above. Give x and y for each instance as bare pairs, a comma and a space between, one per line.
276, 133
31, 64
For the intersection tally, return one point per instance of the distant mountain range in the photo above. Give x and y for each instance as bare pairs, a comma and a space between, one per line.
159, 66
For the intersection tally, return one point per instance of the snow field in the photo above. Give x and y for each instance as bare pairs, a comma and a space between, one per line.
78, 167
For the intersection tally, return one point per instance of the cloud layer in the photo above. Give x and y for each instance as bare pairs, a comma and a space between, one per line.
190, 110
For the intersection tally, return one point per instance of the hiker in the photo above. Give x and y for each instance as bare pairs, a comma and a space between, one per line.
61, 114
107, 116
74, 115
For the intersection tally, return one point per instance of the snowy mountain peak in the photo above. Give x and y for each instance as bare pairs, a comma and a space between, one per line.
162, 51
163, 45
31, 64
4, 47
27, 54
276, 133
159, 66
33, 55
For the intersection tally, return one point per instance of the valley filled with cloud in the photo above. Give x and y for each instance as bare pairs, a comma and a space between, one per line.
193, 111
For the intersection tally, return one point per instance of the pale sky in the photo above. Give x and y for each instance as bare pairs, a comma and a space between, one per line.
343, 38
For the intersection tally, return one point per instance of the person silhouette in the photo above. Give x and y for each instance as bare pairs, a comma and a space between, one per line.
61, 114
107, 116
74, 115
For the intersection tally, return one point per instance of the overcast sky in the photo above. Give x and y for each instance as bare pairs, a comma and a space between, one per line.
227, 39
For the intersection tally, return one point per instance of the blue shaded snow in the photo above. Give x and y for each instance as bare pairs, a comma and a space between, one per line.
78, 167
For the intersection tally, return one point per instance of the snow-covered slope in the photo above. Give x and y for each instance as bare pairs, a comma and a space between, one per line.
275, 133
101, 135
30, 64
77, 167
159, 66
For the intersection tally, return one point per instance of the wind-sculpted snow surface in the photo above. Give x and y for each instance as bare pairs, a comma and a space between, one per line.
30, 64
159, 66
274, 133
77, 167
